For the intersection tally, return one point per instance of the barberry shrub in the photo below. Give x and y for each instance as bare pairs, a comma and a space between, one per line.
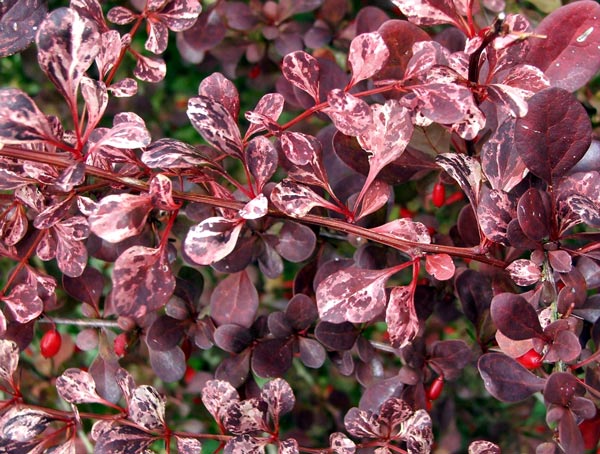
305, 226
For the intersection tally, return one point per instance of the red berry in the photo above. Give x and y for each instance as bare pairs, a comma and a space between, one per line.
254, 72
438, 196
530, 360
50, 343
120, 344
435, 389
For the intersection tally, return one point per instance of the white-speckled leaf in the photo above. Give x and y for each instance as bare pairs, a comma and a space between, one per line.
302, 70
367, 55
147, 407
212, 240
77, 386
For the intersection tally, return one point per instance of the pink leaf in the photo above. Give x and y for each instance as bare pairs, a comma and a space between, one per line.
265, 114
120, 15
212, 240
9, 359
142, 281
246, 416
401, 317
465, 170
302, 70
120, 216
67, 45
124, 88
297, 200
439, 266
288, 446
429, 12
261, 159
214, 122
161, 190
234, 300
179, 15
23, 424
341, 444
24, 303
353, 294
71, 255
524, 272
405, 229
216, 396
255, 208
172, 154
147, 408
300, 148
150, 69
350, 115
77, 387
187, 445
20, 119
278, 394
158, 36
110, 49
375, 197
367, 55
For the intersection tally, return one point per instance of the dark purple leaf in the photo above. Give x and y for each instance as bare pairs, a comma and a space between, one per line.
232, 338
279, 325
272, 357
367, 55
207, 32
401, 317
565, 346
235, 369
168, 365
353, 294
104, 373
150, 69
561, 388
533, 213
336, 336
147, 408
302, 70
142, 281
312, 353
569, 51
86, 288
212, 240
506, 379
301, 312
234, 300
515, 317
19, 21
279, 395
450, 357
120, 216
560, 261
121, 439
554, 135
77, 387
20, 119
164, 333
295, 242
67, 45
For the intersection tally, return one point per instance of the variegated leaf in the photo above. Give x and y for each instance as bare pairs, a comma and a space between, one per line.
124, 88
495, 210
255, 208
261, 159
221, 91
150, 69
24, 303
215, 124
350, 115
147, 407
187, 445
401, 317
67, 45
77, 387
95, 95
339, 443
122, 439
212, 240
352, 295
244, 444
172, 154
217, 395
440, 266
288, 446
297, 200
110, 49
23, 423
302, 70
417, 431
466, 171
142, 281
246, 416
265, 114
120, 15
161, 190
120, 216
362, 423
405, 229
9, 359
20, 119
158, 36
484, 447
367, 55
429, 12
524, 272
279, 395
375, 197
300, 148
179, 15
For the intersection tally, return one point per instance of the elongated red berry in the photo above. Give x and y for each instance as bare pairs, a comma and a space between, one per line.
435, 389
50, 343
530, 360
120, 344
438, 196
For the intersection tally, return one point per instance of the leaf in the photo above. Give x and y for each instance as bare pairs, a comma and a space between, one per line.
179, 15
121, 439
246, 416
376, 196
169, 365
142, 281
147, 408
515, 317
19, 22
405, 229
418, 432
362, 423
466, 171
212, 240
120, 216
340, 444
484, 447
302, 70
300, 148
9, 359
243, 444
172, 154
312, 353
216, 396
569, 53
495, 211
87, 287
187, 445
256, 208
295, 242
150, 69
336, 336
279, 396
297, 200
20, 119
215, 124
234, 300
440, 266
554, 135
534, 214
288, 446
158, 36
120, 15
265, 114
367, 55
524, 272
232, 338
67, 45
272, 357
353, 294
164, 333
24, 303
450, 357
77, 387
429, 12
261, 159
401, 317
506, 379
22, 424
350, 115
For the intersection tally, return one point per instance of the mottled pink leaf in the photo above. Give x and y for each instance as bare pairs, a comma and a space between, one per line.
24, 303
212, 240
375, 197
261, 159
120, 15
554, 135
77, 386
124, 88
362, 423
222, 91
150, 69
340, 444
9, 359
350, 115
255, 208
67, 45
569, 52
158, 36
14, 225
279, 395
179, 15
429, 12
161, 190
120, 216
22, 423
147, 408
494, 212
246, 416
234, 300
172, 154
71, 255
215, 124
288, 446
300, 148
112, 438
302, 70
401, 317
297, 200
353, 294
244, 444
110, 49
217, 395
142, 281
484, 447
418, 433
405, 229
20, 119
187, 445
524, 272
367, 55
465, 170
265, 114
440, 266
